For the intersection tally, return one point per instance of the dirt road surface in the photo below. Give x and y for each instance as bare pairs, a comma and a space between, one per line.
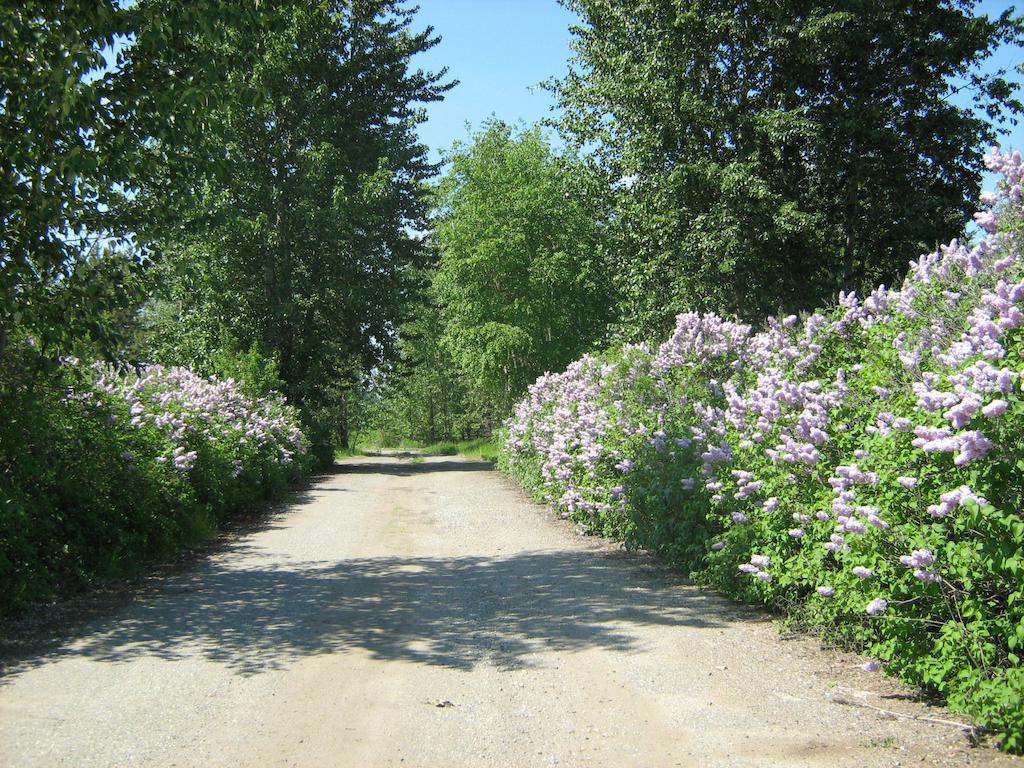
425, 614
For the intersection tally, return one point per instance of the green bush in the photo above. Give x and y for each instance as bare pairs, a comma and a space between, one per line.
103, 471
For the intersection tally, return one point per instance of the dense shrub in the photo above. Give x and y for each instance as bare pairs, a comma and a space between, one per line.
101, 471
861, 468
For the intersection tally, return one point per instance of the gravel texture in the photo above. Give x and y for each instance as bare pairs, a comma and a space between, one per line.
407, 613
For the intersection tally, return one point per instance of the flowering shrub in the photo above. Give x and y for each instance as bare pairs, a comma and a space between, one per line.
101, 470
860, 467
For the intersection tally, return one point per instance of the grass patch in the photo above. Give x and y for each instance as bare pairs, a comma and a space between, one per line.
484, 448
347, 453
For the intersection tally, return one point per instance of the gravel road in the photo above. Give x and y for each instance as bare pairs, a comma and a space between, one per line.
407, 613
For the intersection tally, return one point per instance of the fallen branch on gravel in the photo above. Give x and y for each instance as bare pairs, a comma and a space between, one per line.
841, 698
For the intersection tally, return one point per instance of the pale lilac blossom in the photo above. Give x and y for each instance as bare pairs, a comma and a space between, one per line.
877, 606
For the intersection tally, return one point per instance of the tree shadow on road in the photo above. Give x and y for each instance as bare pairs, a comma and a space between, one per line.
407, 468
448, 612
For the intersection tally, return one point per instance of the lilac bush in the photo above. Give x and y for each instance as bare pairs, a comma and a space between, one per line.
870, 453
218, 443
103, 471
189, 411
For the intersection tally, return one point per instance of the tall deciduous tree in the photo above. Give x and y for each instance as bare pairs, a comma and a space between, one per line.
304, 246
769, 153
521, 281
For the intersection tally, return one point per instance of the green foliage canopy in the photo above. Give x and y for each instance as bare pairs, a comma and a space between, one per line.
90, 114
770, 153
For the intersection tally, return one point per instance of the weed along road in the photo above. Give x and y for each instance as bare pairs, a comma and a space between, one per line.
426, 614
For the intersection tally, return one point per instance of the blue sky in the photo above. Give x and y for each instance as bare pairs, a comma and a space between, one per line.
498, 49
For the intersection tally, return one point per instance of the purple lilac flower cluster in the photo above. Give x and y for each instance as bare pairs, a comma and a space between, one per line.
188, 409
